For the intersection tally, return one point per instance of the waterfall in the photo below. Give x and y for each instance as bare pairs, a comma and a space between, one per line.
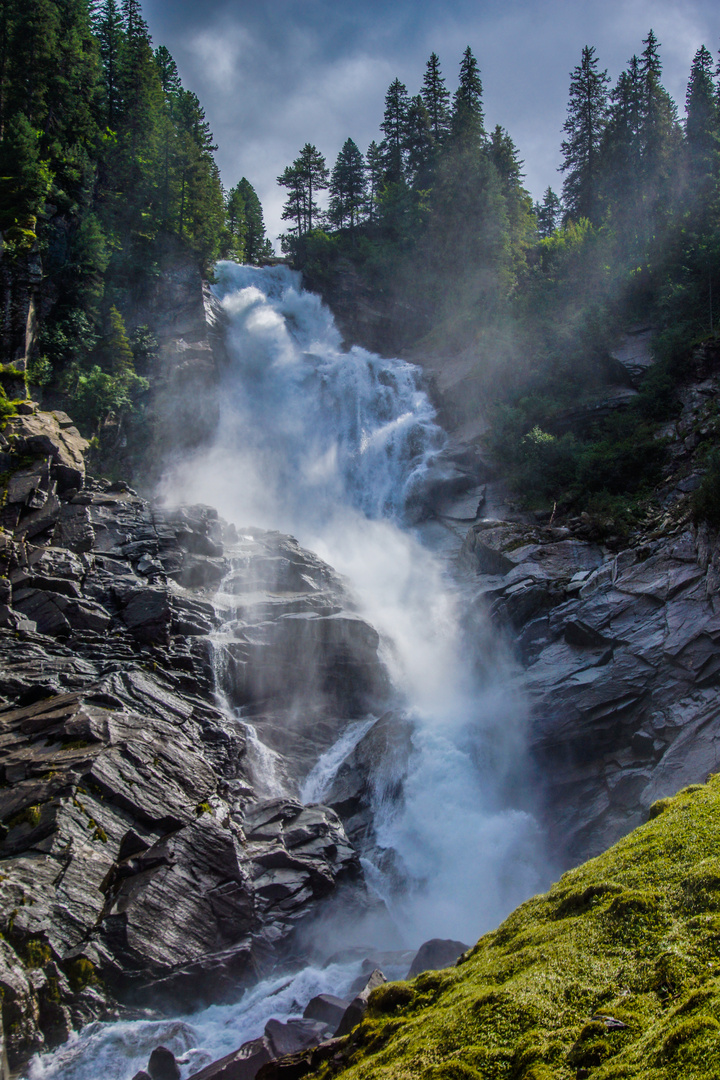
330, 445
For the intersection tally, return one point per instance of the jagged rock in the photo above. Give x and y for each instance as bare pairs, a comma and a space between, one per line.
434, 954
125, 791
358, 1006
44, 434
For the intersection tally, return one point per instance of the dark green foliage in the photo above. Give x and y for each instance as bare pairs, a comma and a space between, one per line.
436, 98
307, 175
106, 162
467, 120
584, 127
348, 188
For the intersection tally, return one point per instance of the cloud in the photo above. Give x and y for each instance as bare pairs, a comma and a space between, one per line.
274, 76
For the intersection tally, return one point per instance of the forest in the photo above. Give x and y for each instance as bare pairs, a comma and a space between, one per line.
106, 167
437, 230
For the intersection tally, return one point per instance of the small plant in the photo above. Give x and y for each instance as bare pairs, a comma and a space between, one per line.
81, 973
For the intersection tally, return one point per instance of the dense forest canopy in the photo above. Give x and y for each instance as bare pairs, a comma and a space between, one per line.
437, 229
106, 167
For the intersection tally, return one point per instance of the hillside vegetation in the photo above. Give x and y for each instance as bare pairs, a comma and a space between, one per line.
613, 974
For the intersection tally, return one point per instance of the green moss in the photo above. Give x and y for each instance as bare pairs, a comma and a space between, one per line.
633, 934
29, 816
203, 808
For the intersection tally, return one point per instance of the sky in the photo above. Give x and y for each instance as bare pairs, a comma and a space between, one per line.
275, 74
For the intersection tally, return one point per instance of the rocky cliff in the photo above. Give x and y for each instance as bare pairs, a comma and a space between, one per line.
619, 636
144, 854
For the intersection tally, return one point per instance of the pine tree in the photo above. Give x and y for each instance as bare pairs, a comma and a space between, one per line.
375, 177
418, 144
257, 247
235, 225
584, 127
436, 98
467, 123
661, 136
394, 127
702, 128
111, 36
348, 187
548, 213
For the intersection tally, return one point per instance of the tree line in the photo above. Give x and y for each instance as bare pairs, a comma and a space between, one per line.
106, 166
446, 242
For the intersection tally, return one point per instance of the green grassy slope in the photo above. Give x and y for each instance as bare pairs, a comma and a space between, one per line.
633, 935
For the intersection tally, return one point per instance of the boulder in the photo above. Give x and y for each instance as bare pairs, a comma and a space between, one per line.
242, 1064
288, 1038
434, 954
326, 1008
162, 1065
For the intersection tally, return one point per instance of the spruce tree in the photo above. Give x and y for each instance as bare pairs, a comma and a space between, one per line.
418, 144
394, 128
467, 122
348, 187
548, 213
702, 128
111, 37
257, 247
375, 177
584, 128
436, 98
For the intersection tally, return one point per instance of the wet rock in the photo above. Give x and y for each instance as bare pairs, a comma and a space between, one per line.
288, 1038
358, 1006
326, 1008
162, 1065
434, 954
242, 1064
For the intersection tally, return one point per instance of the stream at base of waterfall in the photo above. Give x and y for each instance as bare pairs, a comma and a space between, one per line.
336, 448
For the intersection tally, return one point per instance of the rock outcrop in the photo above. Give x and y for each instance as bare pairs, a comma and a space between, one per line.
143, 857
619, 636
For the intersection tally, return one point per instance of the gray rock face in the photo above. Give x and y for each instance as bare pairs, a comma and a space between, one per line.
621, 652
142, 854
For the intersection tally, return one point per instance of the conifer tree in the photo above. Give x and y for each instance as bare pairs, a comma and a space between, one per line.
348, 187
467, 122
548, 213
375, 173
702, 127
661, 137
307, 175
236, 229
394, 128
418, 143
584, 128
436, 98
256, 245
111, 37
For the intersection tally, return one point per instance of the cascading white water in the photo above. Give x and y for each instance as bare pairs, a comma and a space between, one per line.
328, 445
